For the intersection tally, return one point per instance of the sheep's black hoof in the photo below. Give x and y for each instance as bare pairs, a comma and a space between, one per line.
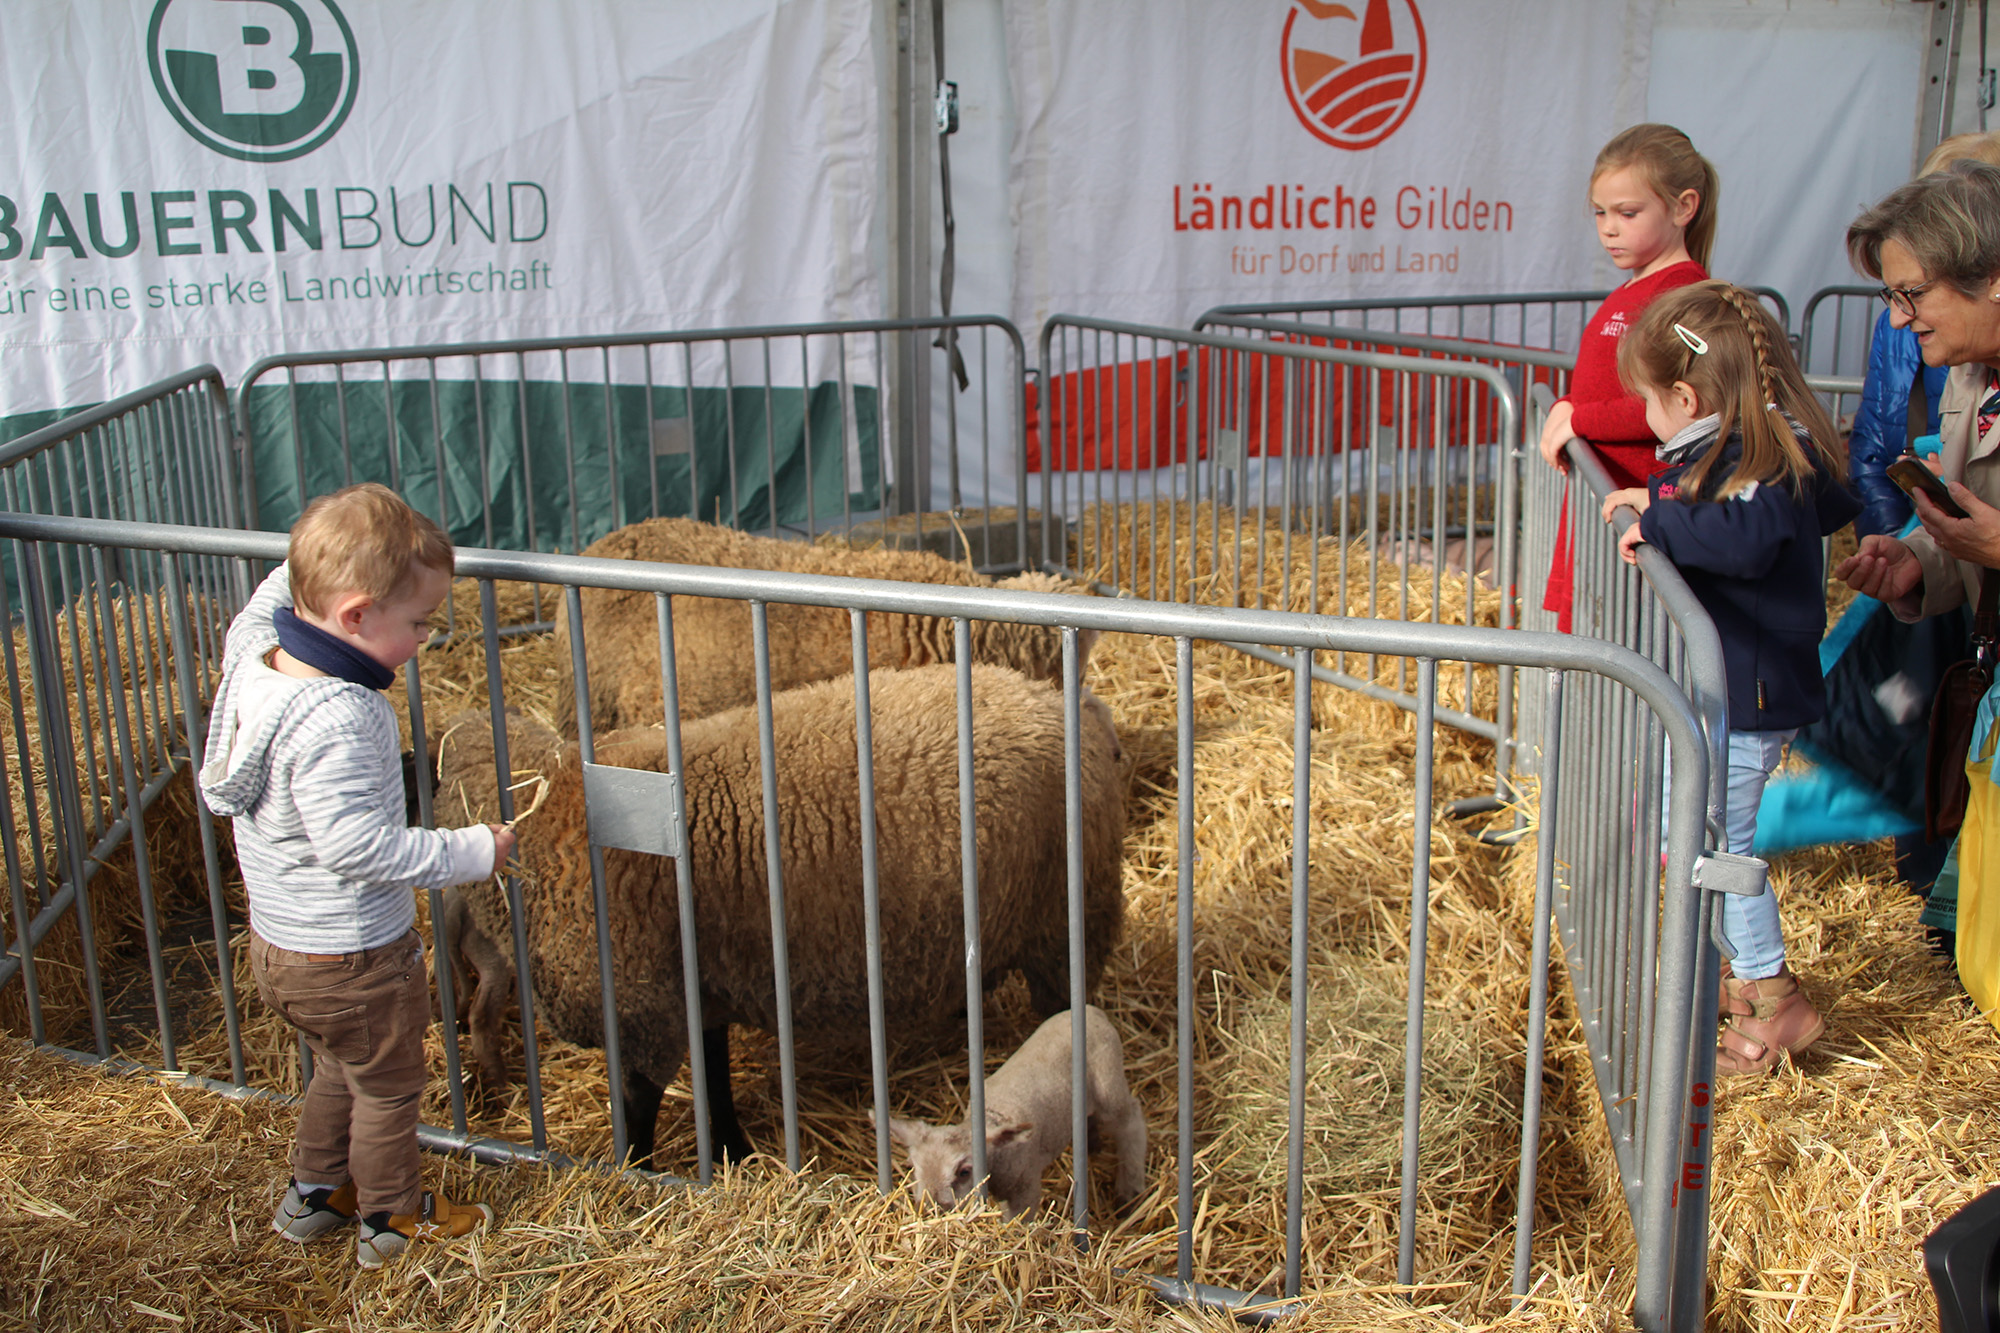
642, 1109
729, 1146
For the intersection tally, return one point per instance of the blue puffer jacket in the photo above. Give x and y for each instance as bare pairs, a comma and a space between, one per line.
1881, 426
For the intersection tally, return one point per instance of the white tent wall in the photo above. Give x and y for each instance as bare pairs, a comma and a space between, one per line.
1808, 112
1809, 108
1167, 157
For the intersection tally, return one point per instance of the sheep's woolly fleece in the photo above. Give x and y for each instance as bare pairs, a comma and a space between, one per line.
1023, 876
713, 637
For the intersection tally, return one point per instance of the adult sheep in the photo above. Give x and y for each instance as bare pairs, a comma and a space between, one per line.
715, 668
1023, 870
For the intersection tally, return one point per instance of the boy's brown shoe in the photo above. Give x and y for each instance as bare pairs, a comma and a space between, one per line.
1779, 1018
384, 1236
303, 1216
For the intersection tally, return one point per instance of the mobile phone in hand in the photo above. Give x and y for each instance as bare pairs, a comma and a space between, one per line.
1913, 476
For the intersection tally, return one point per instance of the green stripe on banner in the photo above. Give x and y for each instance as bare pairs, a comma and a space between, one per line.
27, 423
567, 428
554, 434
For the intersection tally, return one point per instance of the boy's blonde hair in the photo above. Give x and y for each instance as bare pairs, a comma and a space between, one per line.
1667, 162
1746, 367
365, 539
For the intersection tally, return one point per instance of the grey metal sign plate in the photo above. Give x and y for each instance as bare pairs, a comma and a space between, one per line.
635, 809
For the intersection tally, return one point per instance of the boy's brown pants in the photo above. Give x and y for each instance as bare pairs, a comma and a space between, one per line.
363, 1015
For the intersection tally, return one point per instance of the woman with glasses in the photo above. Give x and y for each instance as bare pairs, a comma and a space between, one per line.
1899, 405
1899, 399
1934, 245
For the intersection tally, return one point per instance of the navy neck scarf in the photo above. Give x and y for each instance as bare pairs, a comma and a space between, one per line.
324, 652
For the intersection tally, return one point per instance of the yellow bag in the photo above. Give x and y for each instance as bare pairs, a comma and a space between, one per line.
1979, 869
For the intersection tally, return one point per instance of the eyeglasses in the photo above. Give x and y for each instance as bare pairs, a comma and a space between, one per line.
1905, 298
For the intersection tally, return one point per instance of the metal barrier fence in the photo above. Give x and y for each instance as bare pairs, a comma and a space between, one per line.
1671, 1246
548, 444
1836, 329
1609, 909
1546, 321
1527, 371
92, 738
1550, 321
1283, 474
1836, 335
1607, 840
1521, 366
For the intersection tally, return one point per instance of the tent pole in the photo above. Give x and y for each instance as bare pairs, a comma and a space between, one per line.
914, 128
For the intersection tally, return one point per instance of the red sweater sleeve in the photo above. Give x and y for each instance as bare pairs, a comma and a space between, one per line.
1619, 420
1600, 409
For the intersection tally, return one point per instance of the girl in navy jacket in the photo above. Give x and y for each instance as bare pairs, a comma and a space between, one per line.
1749, 487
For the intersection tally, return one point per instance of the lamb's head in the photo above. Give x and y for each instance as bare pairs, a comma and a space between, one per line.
941, 1155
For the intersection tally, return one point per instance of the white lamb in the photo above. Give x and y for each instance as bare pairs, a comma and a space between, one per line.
1028, 1120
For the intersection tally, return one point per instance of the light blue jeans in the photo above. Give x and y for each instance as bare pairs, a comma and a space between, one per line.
1752, 936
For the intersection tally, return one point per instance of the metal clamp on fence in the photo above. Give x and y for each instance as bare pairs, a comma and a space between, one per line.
1726, 872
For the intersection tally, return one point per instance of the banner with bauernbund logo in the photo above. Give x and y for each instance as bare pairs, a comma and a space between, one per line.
1176, 154
220, 180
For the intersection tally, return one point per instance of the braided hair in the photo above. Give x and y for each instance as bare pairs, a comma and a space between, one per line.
1721, 342
1748, 309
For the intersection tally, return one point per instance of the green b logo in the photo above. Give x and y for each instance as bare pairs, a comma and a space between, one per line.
261, 80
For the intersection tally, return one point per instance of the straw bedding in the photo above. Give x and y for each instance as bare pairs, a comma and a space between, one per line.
1826, 1176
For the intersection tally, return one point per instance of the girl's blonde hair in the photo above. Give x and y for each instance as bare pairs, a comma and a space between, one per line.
364, 539
1667, 162
1976, 146
1721, 342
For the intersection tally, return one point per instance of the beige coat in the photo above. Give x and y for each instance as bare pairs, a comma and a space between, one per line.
1975, 463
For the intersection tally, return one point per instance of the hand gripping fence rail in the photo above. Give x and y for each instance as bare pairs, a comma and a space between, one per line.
1670, 1234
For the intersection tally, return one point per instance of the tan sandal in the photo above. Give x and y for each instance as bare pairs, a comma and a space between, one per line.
1766, 1015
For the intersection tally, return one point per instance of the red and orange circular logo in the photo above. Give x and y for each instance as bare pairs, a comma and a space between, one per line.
1353, 78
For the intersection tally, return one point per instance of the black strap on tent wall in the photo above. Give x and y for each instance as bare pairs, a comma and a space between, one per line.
947, 125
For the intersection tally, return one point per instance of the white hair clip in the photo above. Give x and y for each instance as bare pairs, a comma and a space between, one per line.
1696, 343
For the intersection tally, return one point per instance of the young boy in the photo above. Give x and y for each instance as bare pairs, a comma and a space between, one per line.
304, 756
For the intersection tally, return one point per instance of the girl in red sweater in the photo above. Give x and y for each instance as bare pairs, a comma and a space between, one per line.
1653, 197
